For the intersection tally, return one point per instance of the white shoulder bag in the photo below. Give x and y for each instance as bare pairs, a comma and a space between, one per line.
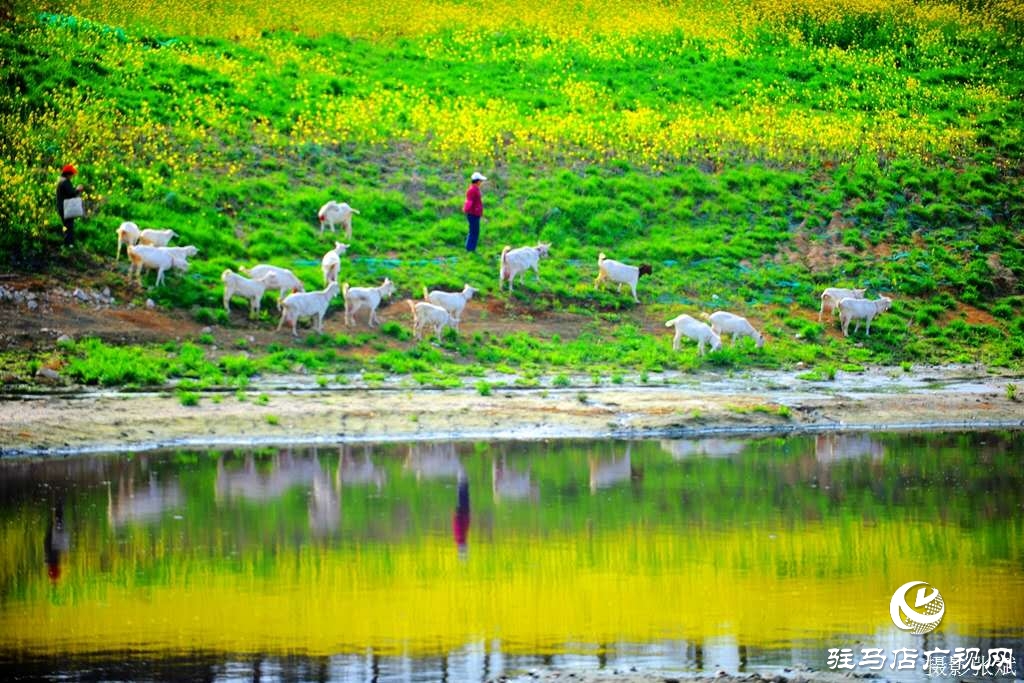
73, 208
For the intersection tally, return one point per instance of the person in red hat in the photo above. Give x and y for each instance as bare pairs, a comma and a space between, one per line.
65, 190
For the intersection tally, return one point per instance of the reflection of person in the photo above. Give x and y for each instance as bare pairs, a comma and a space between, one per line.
65, 190
55, 542
460, 520
474, 209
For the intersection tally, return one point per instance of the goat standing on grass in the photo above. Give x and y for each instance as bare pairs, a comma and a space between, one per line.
616, 271
425, 313
331, 263
699, 332
333, 213
368, 297
283, 279
156, 238
861, 309
831, 297
154, 258
453, 302
244, 287
735, 326
128, 235
515, 261
306, 305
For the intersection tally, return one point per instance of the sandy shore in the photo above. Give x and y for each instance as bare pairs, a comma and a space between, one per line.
295, 410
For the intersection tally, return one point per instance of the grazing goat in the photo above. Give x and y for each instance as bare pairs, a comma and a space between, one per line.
283, 279
425, 313
861, 309
831, 297
128, 235
370, 297
453, 302
306, 305
181, 252
155, 258
735, 326
156, 238
515, 261
235, 284
616, 271
331, 263
334, 212
699, 332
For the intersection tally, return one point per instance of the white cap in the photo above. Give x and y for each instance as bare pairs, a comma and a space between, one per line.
477, 175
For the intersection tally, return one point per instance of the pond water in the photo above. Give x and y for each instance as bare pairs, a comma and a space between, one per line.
465, 561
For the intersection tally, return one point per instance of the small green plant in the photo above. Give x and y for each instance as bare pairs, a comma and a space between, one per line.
483, 388
322, 381
262, 399
1011, 391
561, 380
272, 419
907, 366
207, 339
188, 398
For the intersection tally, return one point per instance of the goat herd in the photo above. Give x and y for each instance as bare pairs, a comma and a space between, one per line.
440, 309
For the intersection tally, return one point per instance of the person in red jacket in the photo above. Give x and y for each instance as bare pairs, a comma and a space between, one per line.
474, 209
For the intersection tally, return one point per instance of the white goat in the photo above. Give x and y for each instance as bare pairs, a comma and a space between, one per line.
156, 238
306, 305
155, 258
515, 261
699, 332
616, 271
831, 297
244, 287
128, 235
283, 279
331, 263
734, 325
334, 212
453, 302
861, 309
181, 252
425, 313
370, 297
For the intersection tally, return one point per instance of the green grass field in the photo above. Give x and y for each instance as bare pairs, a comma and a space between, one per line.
754, 152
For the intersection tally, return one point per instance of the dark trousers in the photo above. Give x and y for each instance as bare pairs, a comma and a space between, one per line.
69, 231
474, 232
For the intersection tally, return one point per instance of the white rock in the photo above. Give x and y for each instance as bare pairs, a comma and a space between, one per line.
150, 304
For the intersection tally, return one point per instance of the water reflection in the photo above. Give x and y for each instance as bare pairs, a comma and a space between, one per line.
56, 542
434, 460
680, 449
508, 483
284, 472
460, 519
830, 448
142, 504
609, 471
638, 553
354, 470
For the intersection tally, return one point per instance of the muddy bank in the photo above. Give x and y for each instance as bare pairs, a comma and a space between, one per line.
277, 410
